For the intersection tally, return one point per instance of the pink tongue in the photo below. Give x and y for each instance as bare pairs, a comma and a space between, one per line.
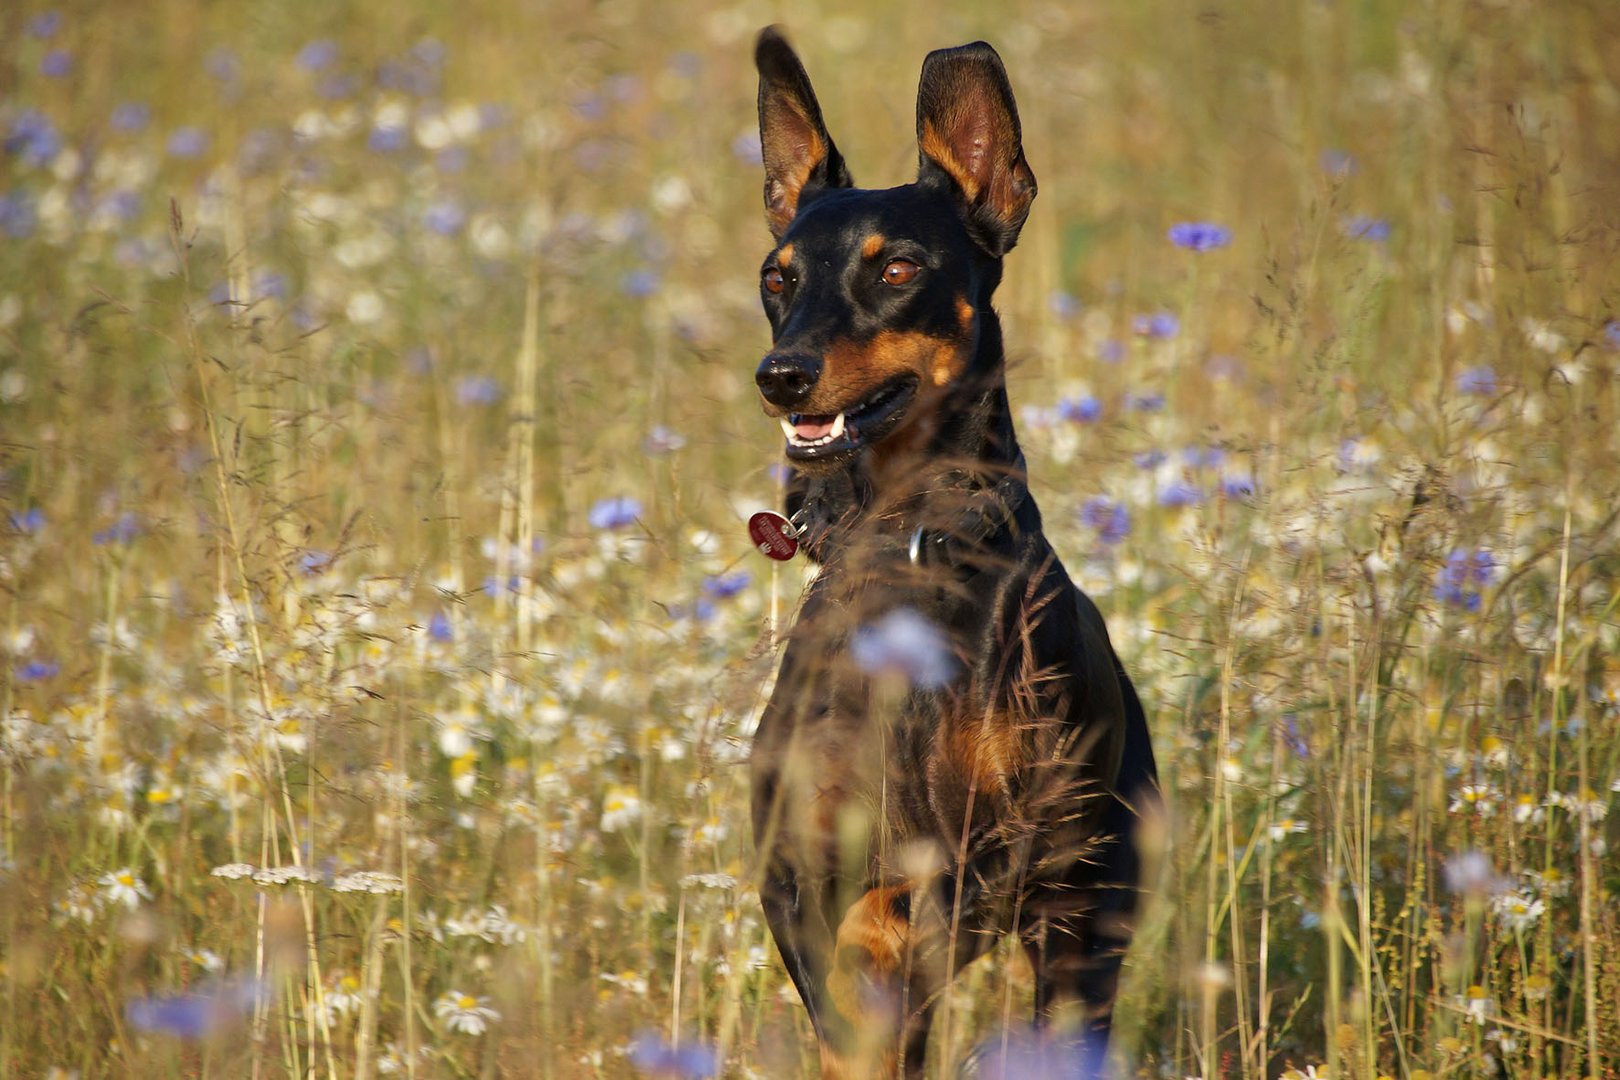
809, 429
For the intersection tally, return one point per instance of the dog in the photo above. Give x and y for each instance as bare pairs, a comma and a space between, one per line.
906, 816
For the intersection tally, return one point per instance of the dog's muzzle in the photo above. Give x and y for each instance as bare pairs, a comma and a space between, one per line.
786, 379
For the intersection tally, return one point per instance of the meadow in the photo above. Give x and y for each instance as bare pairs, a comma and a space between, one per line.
380, 640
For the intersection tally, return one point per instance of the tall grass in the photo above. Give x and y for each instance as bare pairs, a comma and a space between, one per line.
382, 643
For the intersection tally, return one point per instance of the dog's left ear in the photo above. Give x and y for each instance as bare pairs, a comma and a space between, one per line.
800, 157
968, 135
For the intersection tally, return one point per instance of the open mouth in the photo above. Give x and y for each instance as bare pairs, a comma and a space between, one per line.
813, 437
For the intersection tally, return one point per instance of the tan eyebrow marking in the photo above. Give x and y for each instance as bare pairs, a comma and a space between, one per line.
873, 245
784, 255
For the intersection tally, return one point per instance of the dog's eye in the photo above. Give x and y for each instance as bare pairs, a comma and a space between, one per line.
899, 272
772, 280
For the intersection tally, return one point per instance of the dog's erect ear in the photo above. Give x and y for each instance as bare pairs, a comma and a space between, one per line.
799, 154
967, 129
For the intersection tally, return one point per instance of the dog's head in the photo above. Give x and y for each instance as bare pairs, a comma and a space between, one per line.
876, 297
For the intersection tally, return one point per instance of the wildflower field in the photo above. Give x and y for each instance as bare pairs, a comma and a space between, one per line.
380, 640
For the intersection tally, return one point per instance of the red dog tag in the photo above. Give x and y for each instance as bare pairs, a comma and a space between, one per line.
774, 535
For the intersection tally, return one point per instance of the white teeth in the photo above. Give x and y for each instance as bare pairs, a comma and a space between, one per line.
837, 428
787, 429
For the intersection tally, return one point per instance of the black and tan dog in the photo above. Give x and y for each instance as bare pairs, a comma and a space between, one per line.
905, 824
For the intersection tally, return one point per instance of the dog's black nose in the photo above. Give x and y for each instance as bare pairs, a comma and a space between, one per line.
786, 379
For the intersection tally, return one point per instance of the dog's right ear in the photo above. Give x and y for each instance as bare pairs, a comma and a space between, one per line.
800, 157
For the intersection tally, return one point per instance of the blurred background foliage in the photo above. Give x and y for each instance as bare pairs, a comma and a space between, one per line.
376, 423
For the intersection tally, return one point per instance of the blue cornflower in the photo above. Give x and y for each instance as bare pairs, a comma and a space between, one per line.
1479, 380
122, 531
439, 628
1181, 494
1337, 162
1111, 351
318, 55
725, 586
122, 205
1064, 305
492, 585
1459, 582
1203, 457
29, 521
478, 390
56, 63
269, 285
1611, 332
38, 670
131, 117
1362, 227
17, 215
1200, 235
663, 440
430, 51
1148, 459
1294, 737
45, 24
779, 473
197, 1015
702, 611
444, 217
690, 1061
1161, 325
1111, 519
905, 643
315, 562
746, 148
1144, 402
1237, 485
615, 512
223, 65
188, 142
33, 138
388, 139
639, 283
1082, 410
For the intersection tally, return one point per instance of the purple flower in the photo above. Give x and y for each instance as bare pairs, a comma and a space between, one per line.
1063, 304
725, 586
1111, 351
1149, 402
478, 390
122, 531
639, 283
1479, 380
907, 644
1458, 583
318, 55
1337, 163
1111, 519
662, 440
779, 473
315, 562
1148, 459
439, 628
188, 142
452, 159
269, 285
1160, 325
338, 87
131, 117
223, 65
1237, 486
492, 585
212, 1011
56, 63
1611, 332
1472, 874
1039, 1055
30, 521
1200, 235
388, 139
1084, 410
17, 216
746, 149
1294, 737
45, 24
1208, 457
615, 512
38, 671
691, 1061
33, 138
1180, 494
1362, 227
430, 51
444, 217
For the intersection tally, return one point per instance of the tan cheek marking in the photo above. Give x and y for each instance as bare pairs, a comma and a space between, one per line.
854, 370
873, 245
988, 749
964, 314
784, 256
873, 928
947, 365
